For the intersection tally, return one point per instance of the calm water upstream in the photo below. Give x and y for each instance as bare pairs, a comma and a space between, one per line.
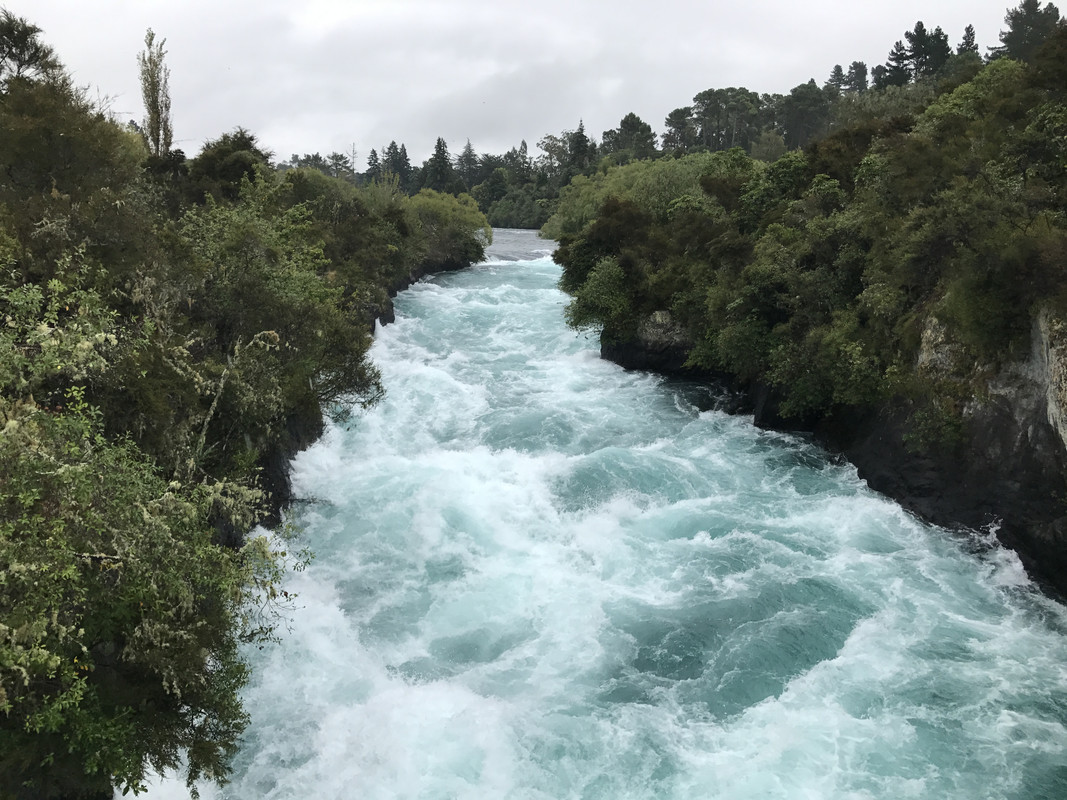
540, 576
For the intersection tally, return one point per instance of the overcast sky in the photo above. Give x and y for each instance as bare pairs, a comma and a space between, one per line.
322, 75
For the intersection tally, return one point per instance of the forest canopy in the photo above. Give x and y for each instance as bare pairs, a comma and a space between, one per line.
932, 207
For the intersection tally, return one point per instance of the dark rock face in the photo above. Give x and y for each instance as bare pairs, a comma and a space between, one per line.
1006, 475
386, 316
418, 273
301, 430
660, 346
1002, 478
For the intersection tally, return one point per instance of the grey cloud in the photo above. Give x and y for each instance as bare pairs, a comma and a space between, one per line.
320, 74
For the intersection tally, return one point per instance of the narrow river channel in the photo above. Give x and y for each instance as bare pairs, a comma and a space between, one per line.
538, 575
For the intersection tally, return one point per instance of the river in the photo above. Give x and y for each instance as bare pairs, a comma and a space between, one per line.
538, 575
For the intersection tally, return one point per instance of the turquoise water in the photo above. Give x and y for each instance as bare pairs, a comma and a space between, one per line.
541, 576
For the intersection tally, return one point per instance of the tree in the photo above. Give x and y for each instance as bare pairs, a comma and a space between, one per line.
769, 146
439, 174
805, 111
155, 92
122, 651
61, 158
554, 155
837, 78
310, 161
938, 52
453, 231
374, 166
880, 76
1028, 26
967, 44
769, 113
581, 151
339, 165
727, 117
516, 161
395, 161
709, 111
224, 163
1049, 68
467, 165
404, 170
633, 139
22, 53
492, 189
898, 66
856, 80
680, 133
918, 48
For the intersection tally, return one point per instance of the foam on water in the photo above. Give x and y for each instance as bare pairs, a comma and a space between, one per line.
541, 576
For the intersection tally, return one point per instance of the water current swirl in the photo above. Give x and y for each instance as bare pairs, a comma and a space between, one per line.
539, 576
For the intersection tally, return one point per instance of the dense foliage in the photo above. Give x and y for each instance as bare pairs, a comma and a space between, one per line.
937, 215
168, 326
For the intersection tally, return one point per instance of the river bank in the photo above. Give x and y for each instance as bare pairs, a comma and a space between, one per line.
1004, 475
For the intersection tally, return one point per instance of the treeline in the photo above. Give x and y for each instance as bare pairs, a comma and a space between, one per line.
169, 327
895, 260
514, 189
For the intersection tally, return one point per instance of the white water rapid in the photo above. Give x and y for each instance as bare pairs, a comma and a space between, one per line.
541, 577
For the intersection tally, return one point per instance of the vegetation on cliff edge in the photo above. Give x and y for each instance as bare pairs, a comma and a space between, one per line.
819, 273
165, 323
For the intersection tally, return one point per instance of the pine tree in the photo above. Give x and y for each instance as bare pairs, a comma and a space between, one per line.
523, 164
680, 130
967, 44
22, 53
918, 50
898, 65
404, 169
856, 80
940, 51
391, 159
438, 173
338, 165
374, 166
581, 151
467, 165
395, 161
1029, 26
880, 76
837, 78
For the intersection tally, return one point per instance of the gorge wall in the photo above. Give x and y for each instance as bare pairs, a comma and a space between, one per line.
1004, 472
